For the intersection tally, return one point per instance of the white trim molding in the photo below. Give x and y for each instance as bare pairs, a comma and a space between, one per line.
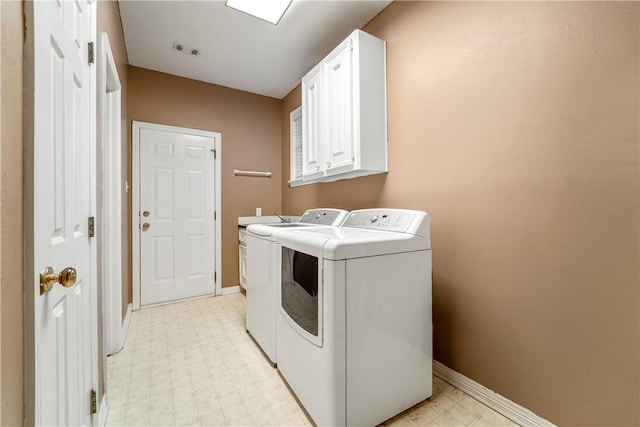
493, 400
103, 412
110, 236
230, 290
135, 212
125, 325
122, 332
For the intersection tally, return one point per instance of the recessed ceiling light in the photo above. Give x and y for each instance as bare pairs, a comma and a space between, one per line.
267, 10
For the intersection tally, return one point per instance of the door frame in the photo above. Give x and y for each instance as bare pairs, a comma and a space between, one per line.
110, 237
135, 211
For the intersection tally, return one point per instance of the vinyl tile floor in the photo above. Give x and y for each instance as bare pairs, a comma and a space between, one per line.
192, 363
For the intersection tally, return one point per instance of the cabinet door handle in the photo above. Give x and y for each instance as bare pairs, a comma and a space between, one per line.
328, 164
318, 167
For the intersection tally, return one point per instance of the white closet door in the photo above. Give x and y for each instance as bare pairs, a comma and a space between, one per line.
64, 326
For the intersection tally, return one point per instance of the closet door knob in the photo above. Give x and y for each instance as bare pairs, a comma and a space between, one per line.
48, 278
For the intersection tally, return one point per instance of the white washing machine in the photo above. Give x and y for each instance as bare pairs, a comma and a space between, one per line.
263, 274
354, 323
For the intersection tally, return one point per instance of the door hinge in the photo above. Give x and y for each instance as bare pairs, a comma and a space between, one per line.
94, 402
215, 276
92, 227
214, 152
215, 215
92, 53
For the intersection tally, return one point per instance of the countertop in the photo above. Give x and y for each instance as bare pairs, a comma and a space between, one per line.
243, 221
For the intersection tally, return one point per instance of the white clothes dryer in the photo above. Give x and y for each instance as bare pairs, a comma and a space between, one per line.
354, 331
263, 274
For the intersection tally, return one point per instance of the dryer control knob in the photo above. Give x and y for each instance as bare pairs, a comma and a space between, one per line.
374, 218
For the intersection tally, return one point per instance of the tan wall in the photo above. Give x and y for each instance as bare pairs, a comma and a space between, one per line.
250, 128
515, 125
11, 241
11, 214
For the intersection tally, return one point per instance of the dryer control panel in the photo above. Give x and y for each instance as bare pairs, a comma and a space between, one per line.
398, 220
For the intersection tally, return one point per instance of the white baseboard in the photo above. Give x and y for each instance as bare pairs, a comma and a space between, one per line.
125, 326
493, 400
103, 412
230, 290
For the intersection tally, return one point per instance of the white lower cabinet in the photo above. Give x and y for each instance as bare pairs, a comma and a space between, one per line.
242, 256
344, 112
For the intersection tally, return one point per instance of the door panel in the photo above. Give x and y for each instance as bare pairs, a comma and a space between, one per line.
163, 186
312, 117
196, 195
164, 248
177, 190
340, 117
63, 140
197, 260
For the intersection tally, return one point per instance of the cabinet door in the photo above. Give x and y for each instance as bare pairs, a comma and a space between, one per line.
312, 116
339, 75
242, 250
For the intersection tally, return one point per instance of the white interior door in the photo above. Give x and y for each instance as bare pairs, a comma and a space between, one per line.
61, 338
177, 241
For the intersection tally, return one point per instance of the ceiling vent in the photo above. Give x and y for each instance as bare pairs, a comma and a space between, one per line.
186, 49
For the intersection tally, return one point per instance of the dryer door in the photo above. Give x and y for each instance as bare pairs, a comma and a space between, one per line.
301, 293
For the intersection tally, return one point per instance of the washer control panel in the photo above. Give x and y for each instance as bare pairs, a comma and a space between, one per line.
381, 219
323, 216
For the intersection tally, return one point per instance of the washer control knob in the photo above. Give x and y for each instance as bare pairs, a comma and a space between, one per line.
374, 218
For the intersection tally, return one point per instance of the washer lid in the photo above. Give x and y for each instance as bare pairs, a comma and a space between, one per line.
269, 231
320, 217
338, 243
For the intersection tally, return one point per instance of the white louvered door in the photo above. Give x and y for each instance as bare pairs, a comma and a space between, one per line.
296, 145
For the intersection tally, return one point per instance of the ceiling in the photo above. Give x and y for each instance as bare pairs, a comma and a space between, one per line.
236, 49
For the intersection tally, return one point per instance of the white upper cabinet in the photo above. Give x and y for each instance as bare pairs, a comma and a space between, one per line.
340, 112
344, 112
312, 130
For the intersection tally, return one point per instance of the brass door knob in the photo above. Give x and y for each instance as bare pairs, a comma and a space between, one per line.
48, 278
146, 226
